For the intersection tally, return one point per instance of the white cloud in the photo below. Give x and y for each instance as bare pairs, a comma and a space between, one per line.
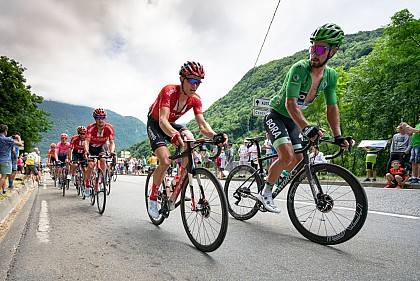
119, 54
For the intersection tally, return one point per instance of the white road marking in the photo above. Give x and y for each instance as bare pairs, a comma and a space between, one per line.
369, 211
44, 223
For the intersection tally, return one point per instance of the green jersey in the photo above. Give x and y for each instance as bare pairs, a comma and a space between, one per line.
415, 138
298, 83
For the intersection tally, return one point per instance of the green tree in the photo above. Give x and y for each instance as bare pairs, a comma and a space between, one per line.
19, 106
385, 87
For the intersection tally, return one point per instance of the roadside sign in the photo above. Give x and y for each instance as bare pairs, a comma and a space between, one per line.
373, 143
259, 112
261, 103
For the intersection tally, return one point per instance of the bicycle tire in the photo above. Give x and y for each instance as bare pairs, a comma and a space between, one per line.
206, 226
101, 191
54, 177
114, 174
63, 182
148, 188
241, 182
92, 184
344, 214
108, 179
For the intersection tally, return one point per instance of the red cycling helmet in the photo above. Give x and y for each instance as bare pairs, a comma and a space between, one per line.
63, 135
192, 68
81, 130
99, 112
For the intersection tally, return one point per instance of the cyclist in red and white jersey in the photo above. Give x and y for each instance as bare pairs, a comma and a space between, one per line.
77, 144
62, 149
172, 102
97, 134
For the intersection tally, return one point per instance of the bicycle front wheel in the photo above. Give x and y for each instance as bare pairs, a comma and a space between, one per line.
100, 187
342, 208
147, 191
114, 174
241, 187
205, 215
108, 182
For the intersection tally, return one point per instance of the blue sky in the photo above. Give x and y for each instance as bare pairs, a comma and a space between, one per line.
118, 54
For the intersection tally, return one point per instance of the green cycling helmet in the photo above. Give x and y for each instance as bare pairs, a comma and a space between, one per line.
329, 33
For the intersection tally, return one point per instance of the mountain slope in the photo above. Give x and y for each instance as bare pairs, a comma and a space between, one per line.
66, 118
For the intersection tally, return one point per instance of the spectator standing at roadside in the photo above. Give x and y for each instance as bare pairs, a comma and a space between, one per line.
400, 147
15, 157
20, 164
205, 157
243, 153
6, 145
268, 150
230, 157
316, 156
253, 155
415, 151
153, 162
371, 155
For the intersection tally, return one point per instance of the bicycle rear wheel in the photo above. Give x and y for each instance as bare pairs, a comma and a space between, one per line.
205, 216
241, 186
342, 211
100, 187
147, 190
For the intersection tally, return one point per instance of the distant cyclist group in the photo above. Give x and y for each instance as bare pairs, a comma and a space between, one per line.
94, 140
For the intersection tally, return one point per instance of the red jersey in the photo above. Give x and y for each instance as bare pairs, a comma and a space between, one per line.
97, 138
77, 144
169, 97
400, 171
62, 149
51, 153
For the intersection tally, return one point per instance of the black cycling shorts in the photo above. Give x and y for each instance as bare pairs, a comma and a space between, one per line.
282, 129
156, 135
96, 150
77, 156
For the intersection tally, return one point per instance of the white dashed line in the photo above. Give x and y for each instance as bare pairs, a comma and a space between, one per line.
44, 224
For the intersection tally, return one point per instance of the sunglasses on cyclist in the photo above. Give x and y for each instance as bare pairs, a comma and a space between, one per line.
193, 81
319, 50
100, 118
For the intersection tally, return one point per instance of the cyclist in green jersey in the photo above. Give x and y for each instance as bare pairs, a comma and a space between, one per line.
285, 122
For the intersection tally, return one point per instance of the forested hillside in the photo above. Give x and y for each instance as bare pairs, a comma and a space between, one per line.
66, 118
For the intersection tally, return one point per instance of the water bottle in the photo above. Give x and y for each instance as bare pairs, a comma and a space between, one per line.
284, 174
168, 186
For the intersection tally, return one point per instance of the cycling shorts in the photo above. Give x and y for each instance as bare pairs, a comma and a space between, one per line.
156, 135
76, 156
96, 151
62, 157
282, 129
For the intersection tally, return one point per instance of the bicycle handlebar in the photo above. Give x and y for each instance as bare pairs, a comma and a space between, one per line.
319, 140
199, 143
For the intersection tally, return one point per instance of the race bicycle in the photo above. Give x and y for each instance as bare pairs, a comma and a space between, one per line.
79, 177
203, 204
98, 184
326, 202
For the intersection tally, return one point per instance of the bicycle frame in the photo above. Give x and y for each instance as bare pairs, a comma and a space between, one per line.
303, 164
189, 169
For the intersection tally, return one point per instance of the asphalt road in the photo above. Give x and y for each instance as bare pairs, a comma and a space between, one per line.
65, 238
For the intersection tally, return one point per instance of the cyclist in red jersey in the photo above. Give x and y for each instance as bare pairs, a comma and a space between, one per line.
62, 149
77, 149
97, 134
52, 157
172, 102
